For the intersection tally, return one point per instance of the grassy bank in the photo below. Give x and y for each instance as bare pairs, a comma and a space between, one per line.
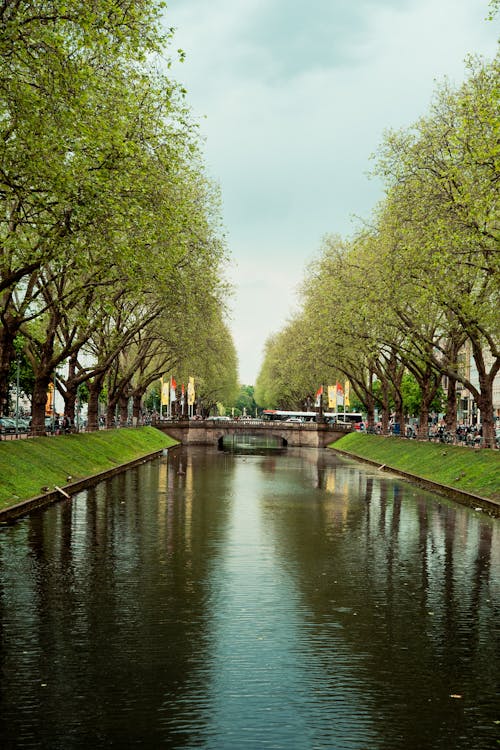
26, 466
467, 469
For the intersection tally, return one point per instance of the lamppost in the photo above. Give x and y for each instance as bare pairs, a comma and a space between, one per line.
474, 413
17, 394
78, 408
54, 403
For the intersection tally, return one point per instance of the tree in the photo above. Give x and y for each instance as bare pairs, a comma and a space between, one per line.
385, 303
350, 331
442, 213
61, 64
109, 216
245, 402
291, 372
214, 365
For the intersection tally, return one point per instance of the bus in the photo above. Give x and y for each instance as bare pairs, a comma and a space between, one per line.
277, 415
333, 417
340, 417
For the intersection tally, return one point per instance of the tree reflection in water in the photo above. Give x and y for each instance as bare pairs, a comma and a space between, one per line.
288, 600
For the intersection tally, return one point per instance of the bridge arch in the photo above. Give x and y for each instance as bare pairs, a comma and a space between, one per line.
273, 439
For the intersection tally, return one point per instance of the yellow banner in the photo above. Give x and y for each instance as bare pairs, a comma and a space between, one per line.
191, 395
347, 390
332, 396
49, 405
164, 392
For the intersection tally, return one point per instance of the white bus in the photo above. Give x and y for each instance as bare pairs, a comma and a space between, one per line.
277, 415
348, 417
333, 417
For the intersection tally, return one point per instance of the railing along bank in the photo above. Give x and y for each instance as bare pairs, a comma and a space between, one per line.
470, 439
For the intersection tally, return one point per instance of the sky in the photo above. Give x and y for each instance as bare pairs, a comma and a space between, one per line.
293, 99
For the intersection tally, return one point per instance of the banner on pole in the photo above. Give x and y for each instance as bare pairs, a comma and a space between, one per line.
340, 394
347, 393
190, 390
164, 391
319, 394
332, 397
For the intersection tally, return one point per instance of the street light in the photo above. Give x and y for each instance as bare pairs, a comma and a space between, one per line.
77, 408
17, 394
54, 404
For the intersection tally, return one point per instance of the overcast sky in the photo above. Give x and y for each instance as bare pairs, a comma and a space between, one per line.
293, 99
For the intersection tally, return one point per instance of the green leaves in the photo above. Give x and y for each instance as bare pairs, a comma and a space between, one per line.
424, 280
107, 217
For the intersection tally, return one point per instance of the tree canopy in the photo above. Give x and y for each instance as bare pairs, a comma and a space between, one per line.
420, 284
109, 224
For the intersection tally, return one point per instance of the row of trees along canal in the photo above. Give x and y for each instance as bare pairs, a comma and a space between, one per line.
417, 288
111, 251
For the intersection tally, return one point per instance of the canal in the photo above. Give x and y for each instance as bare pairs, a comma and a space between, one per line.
211, 600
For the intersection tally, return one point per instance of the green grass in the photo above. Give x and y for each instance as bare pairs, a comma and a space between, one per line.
468, 469
28, 465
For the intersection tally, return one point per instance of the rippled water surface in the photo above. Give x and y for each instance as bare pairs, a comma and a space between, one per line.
210, 600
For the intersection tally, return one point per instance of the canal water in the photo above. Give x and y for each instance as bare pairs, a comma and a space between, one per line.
280, 601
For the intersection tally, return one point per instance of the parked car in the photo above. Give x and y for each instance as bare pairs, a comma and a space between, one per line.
7, 425
23, 425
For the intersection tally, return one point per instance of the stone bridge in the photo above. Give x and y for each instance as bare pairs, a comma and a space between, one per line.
293, 434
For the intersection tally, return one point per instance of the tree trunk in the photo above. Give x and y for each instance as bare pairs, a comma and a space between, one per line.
485, 406
370, 414
386, 411
423, 425
385, 402
453, 348
70, 395
399, 417
71, 390
451, 406
7, 355
40, 389
110, 413
394, 372
95, 388
429, 385
136, 407
123, 410
484, 399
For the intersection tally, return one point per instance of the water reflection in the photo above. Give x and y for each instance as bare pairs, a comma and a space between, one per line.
403, 588
219, 601
258, 445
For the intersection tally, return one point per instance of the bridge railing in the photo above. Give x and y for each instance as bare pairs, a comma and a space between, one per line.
260, 423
